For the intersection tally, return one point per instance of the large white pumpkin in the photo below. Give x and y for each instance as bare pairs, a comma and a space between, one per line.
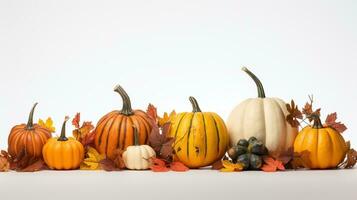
263, 118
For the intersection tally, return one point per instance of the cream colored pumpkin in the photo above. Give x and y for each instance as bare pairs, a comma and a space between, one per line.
137, 157
263, 118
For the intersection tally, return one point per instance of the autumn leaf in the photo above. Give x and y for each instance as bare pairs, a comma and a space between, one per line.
228, 166
152, 113
307, 110
48, 124
88, 139
178, 167
76, 120
167, 118
4, 163
158, 165
155, 118
272, 165
84, 133
91, 160
218, 165
351, 158
160, 142
108, 165
300, 160
331, 122
26, 163
35, 166
115, 164
294, 114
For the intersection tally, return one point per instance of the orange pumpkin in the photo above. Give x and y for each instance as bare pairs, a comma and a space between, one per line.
325, 146
63, 153
28, 138
115, 130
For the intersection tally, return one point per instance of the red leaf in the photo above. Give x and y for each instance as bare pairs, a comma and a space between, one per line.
178, 167
152, 112
76, 120
158, 162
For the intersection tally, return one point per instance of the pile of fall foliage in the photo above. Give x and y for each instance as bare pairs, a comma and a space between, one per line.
163, 145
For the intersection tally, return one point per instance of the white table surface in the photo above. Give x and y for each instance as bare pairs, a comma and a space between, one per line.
195, 184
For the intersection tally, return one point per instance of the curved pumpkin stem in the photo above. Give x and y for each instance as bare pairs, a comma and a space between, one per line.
63, 131
30, 121
126, 110
195, 106
261, 92
136, 136
317, 121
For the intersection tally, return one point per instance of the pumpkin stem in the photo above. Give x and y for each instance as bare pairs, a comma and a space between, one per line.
317, 121
30, 121
136, 136
63, 131
261, 93
195, 106
126, 110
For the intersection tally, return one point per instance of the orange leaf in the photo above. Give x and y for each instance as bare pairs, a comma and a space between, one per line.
158, 165
157, 168
272, 165
178, 167
268, 168
4, 164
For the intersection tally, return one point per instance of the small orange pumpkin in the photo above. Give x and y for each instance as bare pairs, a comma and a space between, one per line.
28, 138
62, 152
325, 145
115, 130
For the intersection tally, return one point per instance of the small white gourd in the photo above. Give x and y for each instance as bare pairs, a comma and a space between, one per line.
137, 157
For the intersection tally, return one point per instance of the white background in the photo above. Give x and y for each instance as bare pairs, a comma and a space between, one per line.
68, 56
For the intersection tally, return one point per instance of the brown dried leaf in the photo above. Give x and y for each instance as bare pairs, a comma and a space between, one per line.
35, 166
108, 165
160, 142
301, 160
118, 159
307, 110
351, 158
294, 114
331, 122
218, 165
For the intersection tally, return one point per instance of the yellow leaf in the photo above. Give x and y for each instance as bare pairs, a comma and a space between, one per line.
48, 124
167, 118
91, 162
228, 166
227, 170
